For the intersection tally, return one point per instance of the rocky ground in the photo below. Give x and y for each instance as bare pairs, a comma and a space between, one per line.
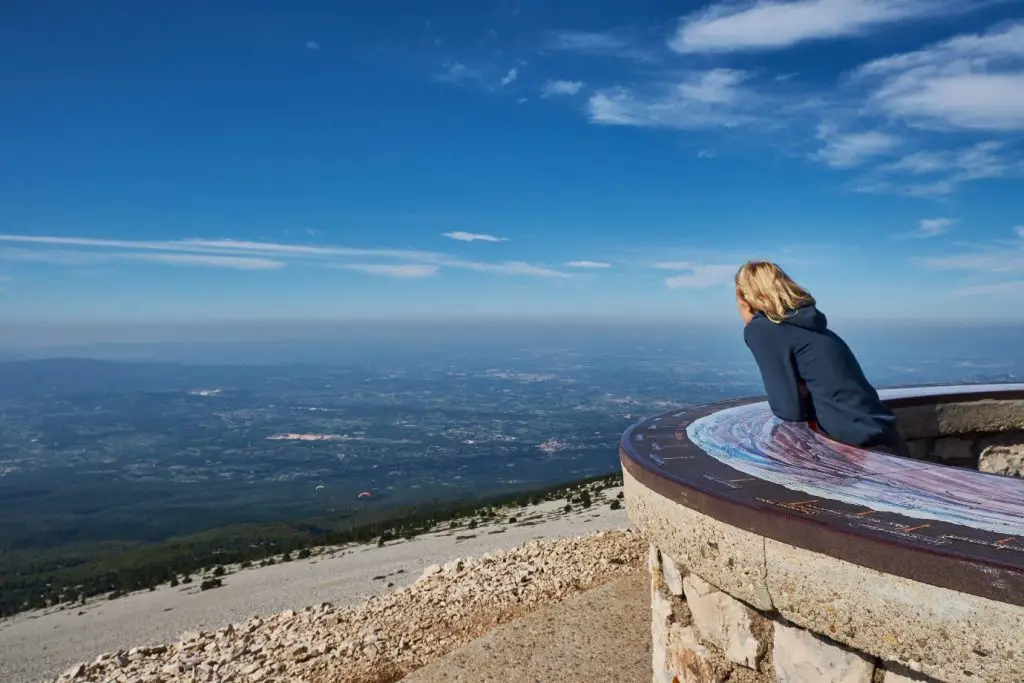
36, 646
390, 634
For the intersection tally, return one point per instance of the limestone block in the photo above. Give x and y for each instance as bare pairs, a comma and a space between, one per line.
722, 620
661, 621
729, 556
690, 661
951, 636
1005, 460
802, 657
954, 451
673, 577
653, 558
919, 449
980, 416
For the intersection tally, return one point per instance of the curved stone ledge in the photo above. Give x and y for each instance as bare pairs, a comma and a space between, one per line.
869, 562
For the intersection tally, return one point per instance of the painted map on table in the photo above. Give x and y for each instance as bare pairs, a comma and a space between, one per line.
750, 439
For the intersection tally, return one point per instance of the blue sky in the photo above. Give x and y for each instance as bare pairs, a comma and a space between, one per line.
203, 161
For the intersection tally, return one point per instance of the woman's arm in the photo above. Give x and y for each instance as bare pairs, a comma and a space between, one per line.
778, 372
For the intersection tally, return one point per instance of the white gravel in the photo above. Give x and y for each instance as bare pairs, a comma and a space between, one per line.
38, 645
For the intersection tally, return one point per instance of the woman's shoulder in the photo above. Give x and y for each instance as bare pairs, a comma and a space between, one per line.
760, 327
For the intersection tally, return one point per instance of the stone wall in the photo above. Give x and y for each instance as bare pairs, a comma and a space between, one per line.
700, 634
782, 592
730, 605
994, 453
982, 435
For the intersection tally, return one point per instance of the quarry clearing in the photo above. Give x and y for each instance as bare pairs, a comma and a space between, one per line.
39, 645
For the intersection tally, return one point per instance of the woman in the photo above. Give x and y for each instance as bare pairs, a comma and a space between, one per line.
809, 373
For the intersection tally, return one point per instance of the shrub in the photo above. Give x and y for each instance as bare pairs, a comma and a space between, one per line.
304, 553
207, 584
615, 505
219, 571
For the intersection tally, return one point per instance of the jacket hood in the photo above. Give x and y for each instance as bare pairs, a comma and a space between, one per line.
807, 317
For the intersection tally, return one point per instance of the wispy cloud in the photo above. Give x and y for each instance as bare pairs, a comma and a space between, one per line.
706, 99
82, 258
768, 25
614, 43
246, 255
972, 81
1013, 287
932, 227
312, 45
472, 237
930, 173
984, 261
554, 88
588, 264
512, 75
697, 275
457, 72
846, 150
401, 270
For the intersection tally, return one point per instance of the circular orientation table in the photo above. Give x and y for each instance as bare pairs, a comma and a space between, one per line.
946, 526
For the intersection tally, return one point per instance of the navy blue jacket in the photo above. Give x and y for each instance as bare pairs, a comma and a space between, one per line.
842, 401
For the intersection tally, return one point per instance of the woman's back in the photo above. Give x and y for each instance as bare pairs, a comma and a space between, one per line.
802, 348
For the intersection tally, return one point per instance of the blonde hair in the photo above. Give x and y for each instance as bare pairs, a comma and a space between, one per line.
767, 288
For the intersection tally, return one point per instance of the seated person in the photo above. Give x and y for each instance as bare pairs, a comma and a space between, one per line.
809, 373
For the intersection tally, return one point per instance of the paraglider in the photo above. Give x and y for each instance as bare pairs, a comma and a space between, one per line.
365, 494
319, 487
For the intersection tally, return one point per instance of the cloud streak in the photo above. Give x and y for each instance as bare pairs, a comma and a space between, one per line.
766, 25
556, 88
972, 81
247, 255
706, 99
472, 237
698, 276
846, 150
588, 264
402, 270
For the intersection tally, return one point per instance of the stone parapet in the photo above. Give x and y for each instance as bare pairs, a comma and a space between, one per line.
760, 577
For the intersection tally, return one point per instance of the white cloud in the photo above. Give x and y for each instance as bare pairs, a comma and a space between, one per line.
1013, 287
1020, 231
472, 237
846, 150
705, 99
79, 258
402, 270
972, 81
940, 172
256, 255
768, 25
312, 45
614, 43
932, 227
512, 75
553, 88
508, 268
457, 72
996, 258
588, 264
700, 276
